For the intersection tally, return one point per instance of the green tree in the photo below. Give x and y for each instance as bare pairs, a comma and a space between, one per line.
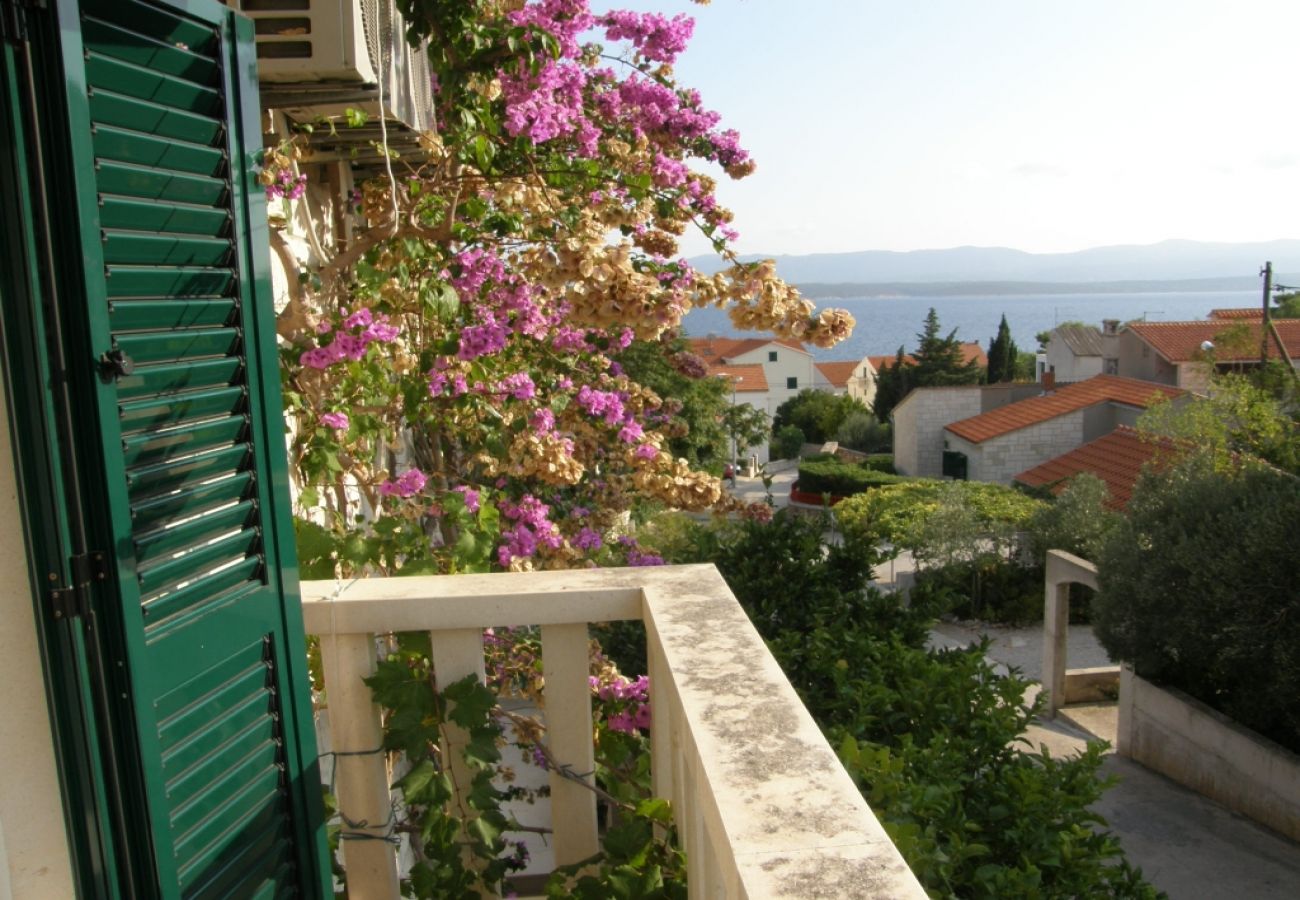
787, 442
1003, 355
939, 360
1198, 588
818, 414
1236, 418
892, 384
695, 404
1288, 306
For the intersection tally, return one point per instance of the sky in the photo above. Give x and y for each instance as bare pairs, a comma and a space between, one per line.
1042, 126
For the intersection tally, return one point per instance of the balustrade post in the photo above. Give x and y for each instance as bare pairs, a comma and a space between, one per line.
569, 735
361, 781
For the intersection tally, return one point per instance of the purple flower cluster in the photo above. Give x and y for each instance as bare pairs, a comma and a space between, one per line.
518, 385
471, 497
532, 529
606, 405
348, 346
628, 701
654, 36
286, 185
409, 483
335, 420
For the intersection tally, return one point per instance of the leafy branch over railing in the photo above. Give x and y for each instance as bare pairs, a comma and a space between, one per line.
461, 827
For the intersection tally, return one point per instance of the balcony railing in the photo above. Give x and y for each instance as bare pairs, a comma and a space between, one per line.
762, 804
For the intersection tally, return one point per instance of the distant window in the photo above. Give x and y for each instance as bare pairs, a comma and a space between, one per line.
771, 356
792, 383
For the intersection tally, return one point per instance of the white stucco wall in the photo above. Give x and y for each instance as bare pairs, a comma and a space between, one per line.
919, 422
34, 860
790, 363
1069, 367
1000, 458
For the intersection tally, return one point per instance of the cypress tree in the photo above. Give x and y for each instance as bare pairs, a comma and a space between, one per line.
1003, 354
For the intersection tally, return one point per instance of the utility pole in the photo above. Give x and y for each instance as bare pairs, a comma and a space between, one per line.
1267, 326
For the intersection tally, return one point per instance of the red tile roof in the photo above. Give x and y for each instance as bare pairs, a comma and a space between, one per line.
1067, 399
1237, 312
714, 350
1117, 459
970, 350
747, 379
838, 372
1181, 341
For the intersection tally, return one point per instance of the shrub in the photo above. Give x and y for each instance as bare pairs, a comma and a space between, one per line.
862, 431
1198, 589
1077, 520
896, 512
929, 736
788, 441
842, 479
818, 414
880, 462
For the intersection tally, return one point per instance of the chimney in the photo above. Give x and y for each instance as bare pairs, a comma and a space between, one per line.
1049, 382
1110, 326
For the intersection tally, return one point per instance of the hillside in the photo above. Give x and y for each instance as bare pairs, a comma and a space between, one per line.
1168, 261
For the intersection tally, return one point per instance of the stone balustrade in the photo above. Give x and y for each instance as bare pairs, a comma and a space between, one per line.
762, 804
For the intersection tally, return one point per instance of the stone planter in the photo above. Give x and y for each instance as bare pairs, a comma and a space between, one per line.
808, 498
1183, 739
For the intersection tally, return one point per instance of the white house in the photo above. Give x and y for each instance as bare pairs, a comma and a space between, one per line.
787, 366
855, 378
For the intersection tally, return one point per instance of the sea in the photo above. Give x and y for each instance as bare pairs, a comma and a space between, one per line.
885, 323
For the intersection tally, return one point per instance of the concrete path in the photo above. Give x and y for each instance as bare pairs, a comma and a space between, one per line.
1186, 845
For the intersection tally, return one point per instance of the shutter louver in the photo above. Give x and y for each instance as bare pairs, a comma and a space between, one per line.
173, 286
185, 475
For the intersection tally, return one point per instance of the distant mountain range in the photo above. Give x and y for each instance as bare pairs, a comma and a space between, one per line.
1175, 263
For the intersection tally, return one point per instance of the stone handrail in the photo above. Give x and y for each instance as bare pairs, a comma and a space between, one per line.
762, 804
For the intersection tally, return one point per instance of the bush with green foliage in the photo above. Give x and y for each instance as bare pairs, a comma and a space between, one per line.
788, 441
931, 737
842, 479
819, 414
862, 431
1077, 520
1198, 589
881, 462
896, 513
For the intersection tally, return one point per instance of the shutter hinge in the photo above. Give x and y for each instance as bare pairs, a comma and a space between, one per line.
14, 19
74, 601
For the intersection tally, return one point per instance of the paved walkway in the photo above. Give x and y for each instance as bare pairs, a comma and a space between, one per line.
1186, 845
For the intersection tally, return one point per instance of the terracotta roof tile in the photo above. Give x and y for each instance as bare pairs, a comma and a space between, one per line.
1116, 458
721, 349
838, 372
970, 350
1067, 399
748, 379
1237, 312
1181, 341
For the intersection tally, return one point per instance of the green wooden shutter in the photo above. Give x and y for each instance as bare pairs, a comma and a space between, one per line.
171, 336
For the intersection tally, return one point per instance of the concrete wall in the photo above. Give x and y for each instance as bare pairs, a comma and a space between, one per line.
1183, 739
1068, 367
1138, 360
34, 860
919, 422
1000, 458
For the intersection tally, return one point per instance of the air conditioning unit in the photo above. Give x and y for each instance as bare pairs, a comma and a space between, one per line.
319, 57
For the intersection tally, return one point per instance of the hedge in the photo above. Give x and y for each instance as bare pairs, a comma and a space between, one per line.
842, 479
